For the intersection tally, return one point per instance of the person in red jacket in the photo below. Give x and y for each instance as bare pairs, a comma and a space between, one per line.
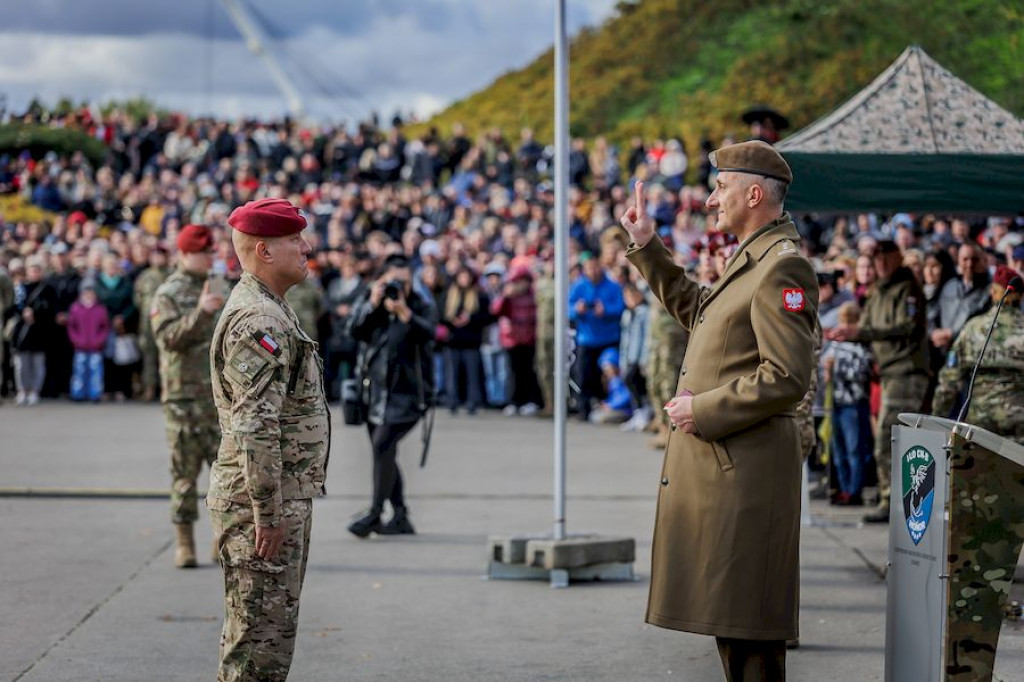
88, 329
516, 310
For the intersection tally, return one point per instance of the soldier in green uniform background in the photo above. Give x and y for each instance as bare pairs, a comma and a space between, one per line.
894, 322
145, 287
183, 314
544, 293
307, 300
269, 392
998, 397
667, 339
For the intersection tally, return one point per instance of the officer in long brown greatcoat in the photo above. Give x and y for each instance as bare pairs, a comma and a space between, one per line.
725, 558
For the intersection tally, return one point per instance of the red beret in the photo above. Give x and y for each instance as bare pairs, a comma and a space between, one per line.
77, 218
194, 238
267, 218
1004, 275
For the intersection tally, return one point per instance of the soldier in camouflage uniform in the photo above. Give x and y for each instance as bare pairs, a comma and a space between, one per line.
987, 490
544, 293
182, 314
997, 404
307, 300
894, 322
667, 342
145, 287
269, 392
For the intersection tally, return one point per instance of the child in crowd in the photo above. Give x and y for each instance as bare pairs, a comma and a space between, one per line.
633, 352
88, 329
619, 405
848, 367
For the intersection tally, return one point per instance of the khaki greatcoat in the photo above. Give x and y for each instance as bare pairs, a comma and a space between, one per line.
725, 558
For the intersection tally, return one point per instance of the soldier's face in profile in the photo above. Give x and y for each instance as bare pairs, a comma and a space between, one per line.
727, 202
290, 256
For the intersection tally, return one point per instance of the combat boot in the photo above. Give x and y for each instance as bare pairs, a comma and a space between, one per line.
660, 441
399, 524
185, 552
879, 515
366, 524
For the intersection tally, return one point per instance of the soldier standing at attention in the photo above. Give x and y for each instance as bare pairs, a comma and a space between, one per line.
895, 323
998, 402
146, 285
182, 315
725, 559
275, 436
544, 294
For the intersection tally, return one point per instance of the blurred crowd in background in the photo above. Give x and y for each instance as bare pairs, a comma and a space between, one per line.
474, 214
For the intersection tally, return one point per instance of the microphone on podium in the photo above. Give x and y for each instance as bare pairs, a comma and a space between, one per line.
1014, 285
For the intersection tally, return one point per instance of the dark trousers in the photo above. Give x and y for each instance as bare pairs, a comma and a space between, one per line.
463, 360
525, 388
636, 382
387, 478
751, 660
589, 374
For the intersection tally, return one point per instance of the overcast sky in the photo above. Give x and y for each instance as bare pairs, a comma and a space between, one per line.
344, 56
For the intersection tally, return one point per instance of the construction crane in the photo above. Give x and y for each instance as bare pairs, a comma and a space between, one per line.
255, 40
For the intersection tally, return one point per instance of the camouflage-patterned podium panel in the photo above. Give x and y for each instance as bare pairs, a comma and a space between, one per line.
986, 531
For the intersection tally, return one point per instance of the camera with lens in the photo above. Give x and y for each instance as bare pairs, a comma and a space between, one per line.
393, 290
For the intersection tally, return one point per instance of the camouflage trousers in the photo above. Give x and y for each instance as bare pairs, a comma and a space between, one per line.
899, 394
662, 371
544, 362
193, 436
150, 360
261, 598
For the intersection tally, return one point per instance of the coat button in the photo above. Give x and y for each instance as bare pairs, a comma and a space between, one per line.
701, 318
673, 427
664, 481
682, 370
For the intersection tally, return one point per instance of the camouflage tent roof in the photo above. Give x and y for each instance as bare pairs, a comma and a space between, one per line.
914, 107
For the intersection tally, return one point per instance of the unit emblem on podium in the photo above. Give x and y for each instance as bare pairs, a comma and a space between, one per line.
918, 467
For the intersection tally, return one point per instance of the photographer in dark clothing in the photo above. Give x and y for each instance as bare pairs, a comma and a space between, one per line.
395, 329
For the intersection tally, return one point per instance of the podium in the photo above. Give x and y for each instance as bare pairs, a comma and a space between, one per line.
956, 527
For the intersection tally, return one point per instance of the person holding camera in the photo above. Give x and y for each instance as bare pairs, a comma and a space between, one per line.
395, 327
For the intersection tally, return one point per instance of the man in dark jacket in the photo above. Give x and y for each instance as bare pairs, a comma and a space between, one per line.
894, 323
32, 333
962, 297
395, 327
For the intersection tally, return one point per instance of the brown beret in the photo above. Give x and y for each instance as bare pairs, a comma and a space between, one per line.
267, 218
756, 157
194, 239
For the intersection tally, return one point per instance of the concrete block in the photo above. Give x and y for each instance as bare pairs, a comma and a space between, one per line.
510, 549
579, 551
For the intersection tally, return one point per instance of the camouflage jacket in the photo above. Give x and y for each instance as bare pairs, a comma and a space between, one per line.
146, 286
307, 301
183, 333
895, 324
998, 397
269, 391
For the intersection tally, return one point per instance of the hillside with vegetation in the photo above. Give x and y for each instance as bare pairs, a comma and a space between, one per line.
690, 67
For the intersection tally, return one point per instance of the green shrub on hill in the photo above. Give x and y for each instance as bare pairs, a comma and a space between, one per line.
690, 67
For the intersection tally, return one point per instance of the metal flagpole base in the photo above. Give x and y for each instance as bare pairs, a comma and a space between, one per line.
577, 558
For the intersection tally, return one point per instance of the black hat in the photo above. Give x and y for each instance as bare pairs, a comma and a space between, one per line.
886, 246
760, 113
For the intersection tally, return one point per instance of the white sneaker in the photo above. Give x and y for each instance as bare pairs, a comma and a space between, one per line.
528, 410
20, 399
510, 411
630, 425
33, 399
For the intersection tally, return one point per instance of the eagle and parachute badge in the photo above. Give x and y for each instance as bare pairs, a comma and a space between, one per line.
918, 469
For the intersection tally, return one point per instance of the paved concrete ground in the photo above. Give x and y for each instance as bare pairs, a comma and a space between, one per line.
88, 591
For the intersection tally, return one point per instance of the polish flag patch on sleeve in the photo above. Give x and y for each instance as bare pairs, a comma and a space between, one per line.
793, 300
268, 343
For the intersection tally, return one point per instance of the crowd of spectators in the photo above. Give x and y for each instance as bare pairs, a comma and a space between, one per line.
474, 215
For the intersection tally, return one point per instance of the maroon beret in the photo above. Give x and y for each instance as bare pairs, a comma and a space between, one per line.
1004, 275
194, 238
267, 218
